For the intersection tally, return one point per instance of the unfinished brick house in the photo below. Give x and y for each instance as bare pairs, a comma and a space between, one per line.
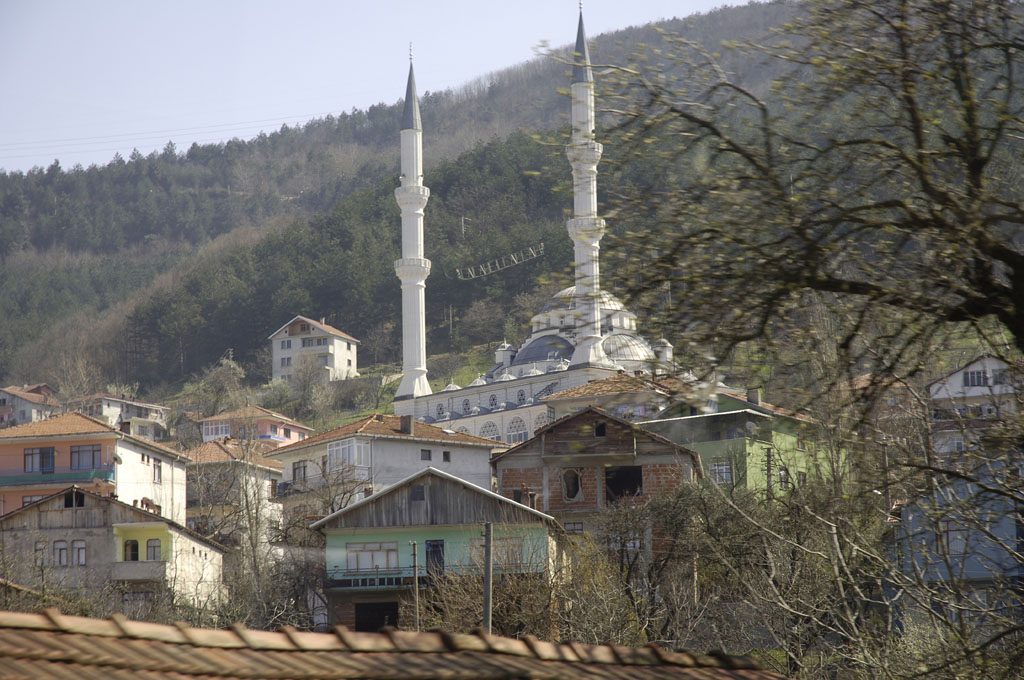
580, 464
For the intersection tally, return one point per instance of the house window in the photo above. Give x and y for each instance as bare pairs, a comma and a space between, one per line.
307, 342
286, 361
370, 556
424, 454
60, 553
157, 472
721, 473
489, 431
574, 527
78, 553
465, 406
216, 430
952, 539
623, 480
350, 362
1001, 376
975, 379
801, 444
287, 433
801, 478
516, 431
446, 456
784, 482
286, 344
572, 485
416, 493
85, 457
25, 500
350, 453
74, 499
601, 430
299, 471
131, 550
303, 327
492, 401
153, 550
39, 460
273, 429
348, 346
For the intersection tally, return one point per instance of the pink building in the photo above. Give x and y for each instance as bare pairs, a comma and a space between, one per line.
255, 422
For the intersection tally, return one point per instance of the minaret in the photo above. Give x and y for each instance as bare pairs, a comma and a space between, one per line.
413, 268
585, 227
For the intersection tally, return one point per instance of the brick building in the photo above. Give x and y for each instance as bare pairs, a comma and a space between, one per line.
580, 464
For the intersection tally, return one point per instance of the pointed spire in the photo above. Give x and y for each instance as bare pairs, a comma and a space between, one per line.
411, 114
581, 57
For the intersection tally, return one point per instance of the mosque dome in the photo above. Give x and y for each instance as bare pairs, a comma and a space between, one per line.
544, 348
451, 387
477, 382
505, 377
624, 347
567, 299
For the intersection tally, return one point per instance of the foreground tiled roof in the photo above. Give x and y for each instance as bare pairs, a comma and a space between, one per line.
383, 425
63, 424
254, 413
229, 450
49, 645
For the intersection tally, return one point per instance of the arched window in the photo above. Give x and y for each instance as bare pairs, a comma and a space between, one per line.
492, 401
465, 406
540, 421
521, 397
463, 429
153, 550
131, 551
489, 431
440, 411
516, 431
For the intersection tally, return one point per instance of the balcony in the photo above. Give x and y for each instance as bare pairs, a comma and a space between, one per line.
149, 570
58, 475
402, 577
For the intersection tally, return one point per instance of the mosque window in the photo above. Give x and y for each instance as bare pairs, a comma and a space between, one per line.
516, 431
465, 406
489, 431
463, 429
540, 421
521, 397
492, 401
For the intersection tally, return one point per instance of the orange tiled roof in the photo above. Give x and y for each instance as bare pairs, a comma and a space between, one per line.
30, 396
383, 425
254, 413
226, 451
617, 384
63, 424
322, 326
51, 645
741, 395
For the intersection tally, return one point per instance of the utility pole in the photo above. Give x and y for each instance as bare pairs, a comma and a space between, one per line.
488, 573
415, 584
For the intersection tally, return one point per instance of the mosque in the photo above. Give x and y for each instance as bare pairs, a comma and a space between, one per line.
581, 334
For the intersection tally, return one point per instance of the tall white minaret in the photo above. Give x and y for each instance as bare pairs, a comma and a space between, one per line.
585, 227
413, 268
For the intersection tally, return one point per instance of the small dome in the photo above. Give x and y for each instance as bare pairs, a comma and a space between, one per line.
544, 348
567, 299
478, 381
504, 346
533, 371
426, 419
622, 347
451, 387
505, 377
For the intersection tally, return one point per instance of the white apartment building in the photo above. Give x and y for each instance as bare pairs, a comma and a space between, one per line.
302, 340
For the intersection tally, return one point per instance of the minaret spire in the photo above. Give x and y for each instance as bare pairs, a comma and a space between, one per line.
412, 269
585, 228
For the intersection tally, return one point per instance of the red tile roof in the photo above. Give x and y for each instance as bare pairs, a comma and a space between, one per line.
254, 413
383, 425
63, 424
617, 384
51, 645
322, 326
31, 396
230, 450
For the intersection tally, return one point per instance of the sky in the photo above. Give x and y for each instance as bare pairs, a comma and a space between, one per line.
82, 81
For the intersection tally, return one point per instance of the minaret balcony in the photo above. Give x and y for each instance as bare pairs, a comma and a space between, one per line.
584, 153
586, 230
412, 197
412, 269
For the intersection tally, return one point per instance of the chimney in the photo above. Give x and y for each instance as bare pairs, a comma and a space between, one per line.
754, 395
323, 320
408, 425
533, 500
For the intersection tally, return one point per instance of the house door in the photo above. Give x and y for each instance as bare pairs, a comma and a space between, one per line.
435, 556
372, 616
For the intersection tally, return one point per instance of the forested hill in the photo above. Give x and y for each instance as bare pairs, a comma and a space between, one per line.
149, 250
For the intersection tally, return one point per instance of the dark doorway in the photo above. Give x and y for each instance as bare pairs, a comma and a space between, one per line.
624, 480
435, 556
372, 616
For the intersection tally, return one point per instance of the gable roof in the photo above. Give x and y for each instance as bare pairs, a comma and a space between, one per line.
33, 394
49, 644
964, 367
379, 497
617, 384
326, 328
149, 516
74, 423
741, 395
227, 450
112, 397
608, 416
254, 413
385, 426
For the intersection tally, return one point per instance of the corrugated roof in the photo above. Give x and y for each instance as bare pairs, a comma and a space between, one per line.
227, 451
51, 645
384, 425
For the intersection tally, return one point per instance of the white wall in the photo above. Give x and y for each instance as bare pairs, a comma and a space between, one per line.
135, 479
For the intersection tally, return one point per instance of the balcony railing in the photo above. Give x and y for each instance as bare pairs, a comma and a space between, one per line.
148, 570
402, 577
59, 474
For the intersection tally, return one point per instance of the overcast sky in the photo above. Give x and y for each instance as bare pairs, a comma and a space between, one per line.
82, 80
